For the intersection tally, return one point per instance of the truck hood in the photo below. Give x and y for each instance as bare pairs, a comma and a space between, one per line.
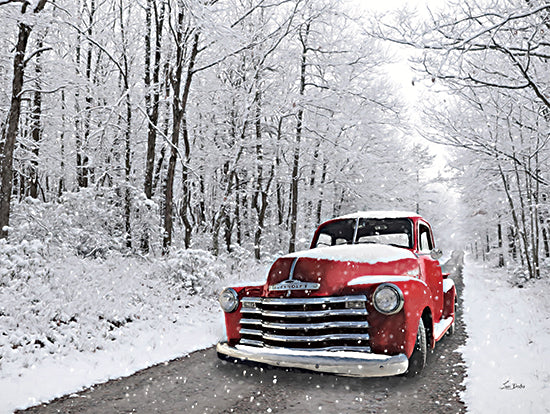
339, 270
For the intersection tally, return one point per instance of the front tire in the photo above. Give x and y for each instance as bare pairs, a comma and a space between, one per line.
417, 361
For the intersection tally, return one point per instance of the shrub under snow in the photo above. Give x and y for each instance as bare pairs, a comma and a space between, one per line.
56, 299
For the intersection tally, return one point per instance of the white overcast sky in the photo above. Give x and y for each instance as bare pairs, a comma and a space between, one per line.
395, 4
400, 71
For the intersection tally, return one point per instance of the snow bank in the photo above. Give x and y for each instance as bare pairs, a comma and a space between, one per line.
139, 346
68, 322
508, 343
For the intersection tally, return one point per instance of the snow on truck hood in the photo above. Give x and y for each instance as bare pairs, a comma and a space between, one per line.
362, 253
336, 267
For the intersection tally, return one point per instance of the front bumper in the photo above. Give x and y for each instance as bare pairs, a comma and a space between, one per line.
353, 364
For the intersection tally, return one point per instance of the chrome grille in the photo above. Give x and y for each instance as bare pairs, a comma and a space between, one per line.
325, 323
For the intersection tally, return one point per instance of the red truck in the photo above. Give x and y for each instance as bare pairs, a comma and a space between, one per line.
368, 299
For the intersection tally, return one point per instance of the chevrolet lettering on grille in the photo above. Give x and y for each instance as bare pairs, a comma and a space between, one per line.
294, 285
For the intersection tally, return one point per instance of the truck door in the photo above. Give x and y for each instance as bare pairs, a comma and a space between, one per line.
431, 269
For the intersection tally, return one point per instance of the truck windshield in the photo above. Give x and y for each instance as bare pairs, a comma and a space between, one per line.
395, 232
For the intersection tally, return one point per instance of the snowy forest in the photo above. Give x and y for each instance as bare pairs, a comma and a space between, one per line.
138, 127
208, 124
159, 148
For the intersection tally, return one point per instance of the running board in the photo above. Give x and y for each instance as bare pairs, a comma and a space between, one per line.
441, 327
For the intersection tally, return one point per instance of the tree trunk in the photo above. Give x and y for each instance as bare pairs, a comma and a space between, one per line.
151, 131
61, 185
82, 160
166, 88
260, 199
179, 106
228, 232
512, 243
127, 130
77, 109
500, 252
36, 127
280, 197
185, 135
296, 159
312, 176
186, 201
152, 100
321, 193
238, 220
9, 133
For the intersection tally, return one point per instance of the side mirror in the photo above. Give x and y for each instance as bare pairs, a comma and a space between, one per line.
436, 254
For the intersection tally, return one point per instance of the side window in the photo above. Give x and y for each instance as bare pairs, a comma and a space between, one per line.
425, 239
324, 240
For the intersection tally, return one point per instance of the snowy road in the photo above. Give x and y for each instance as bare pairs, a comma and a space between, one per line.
200, 383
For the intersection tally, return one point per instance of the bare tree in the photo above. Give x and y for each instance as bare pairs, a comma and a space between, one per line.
186, 40
9, 132
295, 177
493, 58
152, 84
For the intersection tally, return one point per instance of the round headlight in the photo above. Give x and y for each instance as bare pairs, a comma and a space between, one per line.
388, 299
229, 300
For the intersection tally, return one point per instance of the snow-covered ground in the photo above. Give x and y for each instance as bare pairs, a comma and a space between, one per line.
508, 346
68, 322
76, 322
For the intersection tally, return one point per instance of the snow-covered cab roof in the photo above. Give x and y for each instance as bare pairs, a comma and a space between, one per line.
379, 215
